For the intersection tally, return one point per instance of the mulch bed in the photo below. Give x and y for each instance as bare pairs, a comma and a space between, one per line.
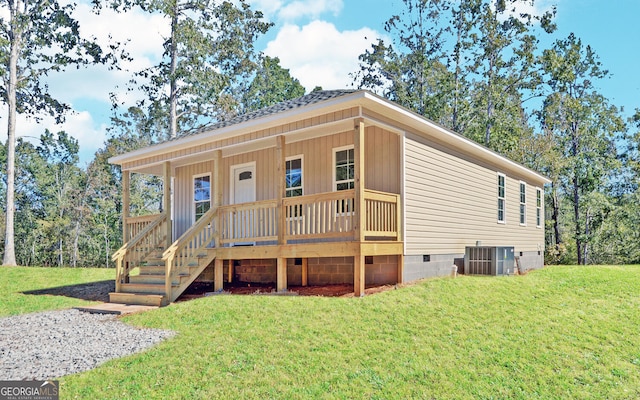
200, 289
99, 291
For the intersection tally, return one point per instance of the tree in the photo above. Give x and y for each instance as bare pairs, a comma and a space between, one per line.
208, 60
272, 84
410, 70
37, 39
469, 65
583, 126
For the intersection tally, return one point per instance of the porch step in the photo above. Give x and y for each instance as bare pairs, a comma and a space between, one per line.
144, 288
154, 261
149, 279
140, 299
152, 269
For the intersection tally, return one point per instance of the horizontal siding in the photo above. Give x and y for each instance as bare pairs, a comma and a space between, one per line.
451, 202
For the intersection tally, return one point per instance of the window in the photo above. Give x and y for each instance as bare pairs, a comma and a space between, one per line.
538, 207
345, 168
293, 177
501, 192
523, 203
201, 195
293, 181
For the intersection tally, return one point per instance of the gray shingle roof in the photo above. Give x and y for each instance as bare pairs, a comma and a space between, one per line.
311, 98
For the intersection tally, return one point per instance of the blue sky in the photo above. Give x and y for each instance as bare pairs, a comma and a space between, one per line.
319, 41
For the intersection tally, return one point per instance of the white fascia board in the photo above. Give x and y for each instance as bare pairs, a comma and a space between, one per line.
457, 140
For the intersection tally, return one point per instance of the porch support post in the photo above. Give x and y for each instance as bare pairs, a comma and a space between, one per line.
217, 275
126, 188
400, 268
217, 199
305, 271
358, 178
166, 185
281, 188
230, 272
358, 274
281, 274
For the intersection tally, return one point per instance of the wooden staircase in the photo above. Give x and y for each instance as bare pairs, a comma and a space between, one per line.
164, 274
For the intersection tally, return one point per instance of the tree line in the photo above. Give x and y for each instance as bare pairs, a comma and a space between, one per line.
474, 66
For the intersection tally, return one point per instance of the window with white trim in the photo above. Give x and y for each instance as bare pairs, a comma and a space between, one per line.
345, 168
523, 203
293, 177
201, 195
538, 207
293, 183
501, 199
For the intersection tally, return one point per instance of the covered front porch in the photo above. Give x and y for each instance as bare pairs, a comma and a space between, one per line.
356, 222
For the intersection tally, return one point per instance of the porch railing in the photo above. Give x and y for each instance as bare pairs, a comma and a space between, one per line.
134, 251
249, 222
135, 225
382, 214
319, 216
326, 215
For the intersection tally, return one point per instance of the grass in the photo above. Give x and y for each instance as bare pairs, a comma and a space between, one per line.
14, 281
557, 333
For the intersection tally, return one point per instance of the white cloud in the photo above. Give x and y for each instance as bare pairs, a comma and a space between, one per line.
268, 7
537, 9
284, 10
318, 54
310, 8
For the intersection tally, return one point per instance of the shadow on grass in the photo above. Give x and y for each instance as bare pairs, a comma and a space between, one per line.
92, 291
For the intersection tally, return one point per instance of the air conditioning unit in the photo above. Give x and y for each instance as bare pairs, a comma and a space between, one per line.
489, 260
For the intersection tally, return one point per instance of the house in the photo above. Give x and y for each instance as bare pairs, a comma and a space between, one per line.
337, 186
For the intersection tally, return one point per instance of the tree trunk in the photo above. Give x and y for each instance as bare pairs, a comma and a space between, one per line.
555, 214
173, 95
9, 258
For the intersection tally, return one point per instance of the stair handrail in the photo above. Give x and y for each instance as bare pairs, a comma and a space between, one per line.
120, 255
169, 255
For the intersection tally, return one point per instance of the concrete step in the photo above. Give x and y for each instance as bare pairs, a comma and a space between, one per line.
142, 299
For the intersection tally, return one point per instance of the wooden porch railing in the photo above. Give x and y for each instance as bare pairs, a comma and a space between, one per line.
318, 216
134, 251
135, 225
382, 214
325, 215
186, 250
249, 222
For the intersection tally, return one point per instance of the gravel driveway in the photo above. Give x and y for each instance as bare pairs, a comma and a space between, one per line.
52, 344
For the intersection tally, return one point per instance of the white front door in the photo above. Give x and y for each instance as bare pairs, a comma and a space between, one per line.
244, 191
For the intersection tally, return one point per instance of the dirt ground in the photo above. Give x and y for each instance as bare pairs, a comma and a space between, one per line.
204, 289
99, 291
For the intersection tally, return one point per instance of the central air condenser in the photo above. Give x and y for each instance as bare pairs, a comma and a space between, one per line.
489, 260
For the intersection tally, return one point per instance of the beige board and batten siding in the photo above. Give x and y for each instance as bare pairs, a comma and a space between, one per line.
451, 202
183, 209
216, 143
382, 163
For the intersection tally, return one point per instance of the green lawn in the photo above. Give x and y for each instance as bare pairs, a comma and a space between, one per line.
558, 333
14, 281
